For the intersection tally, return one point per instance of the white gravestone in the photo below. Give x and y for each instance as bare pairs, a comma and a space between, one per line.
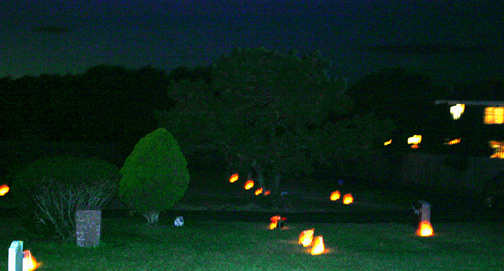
425, 210
422, 210
16, 256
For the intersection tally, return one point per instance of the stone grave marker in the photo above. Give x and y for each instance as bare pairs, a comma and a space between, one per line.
88, 226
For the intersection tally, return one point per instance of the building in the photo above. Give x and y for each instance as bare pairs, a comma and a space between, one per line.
477, 121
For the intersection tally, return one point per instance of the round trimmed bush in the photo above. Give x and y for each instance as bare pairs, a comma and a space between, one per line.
154, 176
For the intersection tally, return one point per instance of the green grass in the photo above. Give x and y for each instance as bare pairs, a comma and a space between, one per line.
129, 244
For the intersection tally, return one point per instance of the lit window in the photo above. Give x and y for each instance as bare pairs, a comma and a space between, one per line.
494, 115
498, 147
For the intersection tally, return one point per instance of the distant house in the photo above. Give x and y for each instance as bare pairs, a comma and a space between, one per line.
471, 134
481, 121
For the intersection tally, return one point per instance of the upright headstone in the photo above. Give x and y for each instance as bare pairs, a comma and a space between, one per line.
425, 211
422, 212
88, 227
16, 256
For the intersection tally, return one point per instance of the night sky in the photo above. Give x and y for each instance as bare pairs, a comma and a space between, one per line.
450, 41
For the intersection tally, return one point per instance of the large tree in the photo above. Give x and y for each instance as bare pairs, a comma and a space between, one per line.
398, 94
267, 111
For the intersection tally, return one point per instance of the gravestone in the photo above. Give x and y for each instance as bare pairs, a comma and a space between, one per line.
88, 227
16, 256
422, 212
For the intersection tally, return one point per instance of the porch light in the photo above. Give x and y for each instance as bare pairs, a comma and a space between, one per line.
457, 110
414, 141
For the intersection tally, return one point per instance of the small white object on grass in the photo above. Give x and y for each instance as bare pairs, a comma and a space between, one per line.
179, 221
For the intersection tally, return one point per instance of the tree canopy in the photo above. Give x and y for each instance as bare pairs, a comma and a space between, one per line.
397, 94
267, 111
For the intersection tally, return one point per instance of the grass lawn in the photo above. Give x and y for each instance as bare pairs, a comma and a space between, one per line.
129, 244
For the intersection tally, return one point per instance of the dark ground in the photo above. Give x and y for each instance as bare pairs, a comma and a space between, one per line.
309, 202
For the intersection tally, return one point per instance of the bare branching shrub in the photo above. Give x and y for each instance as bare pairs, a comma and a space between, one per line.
57, 204
48, 192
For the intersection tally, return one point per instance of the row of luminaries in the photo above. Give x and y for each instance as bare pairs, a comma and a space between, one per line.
306, 238
424, 227
249, 184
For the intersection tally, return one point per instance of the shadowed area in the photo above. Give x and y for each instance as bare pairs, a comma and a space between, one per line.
55, 30
427, 49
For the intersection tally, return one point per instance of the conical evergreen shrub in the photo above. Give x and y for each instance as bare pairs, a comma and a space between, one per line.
154, 176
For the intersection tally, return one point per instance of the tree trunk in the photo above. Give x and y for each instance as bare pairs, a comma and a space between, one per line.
152, 217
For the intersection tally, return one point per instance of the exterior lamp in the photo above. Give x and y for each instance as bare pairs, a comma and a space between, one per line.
457, 110
414, 141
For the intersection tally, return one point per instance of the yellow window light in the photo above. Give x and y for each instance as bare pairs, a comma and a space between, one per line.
498, 147
494, 115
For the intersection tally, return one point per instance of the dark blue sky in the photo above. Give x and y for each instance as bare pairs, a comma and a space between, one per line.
450, 41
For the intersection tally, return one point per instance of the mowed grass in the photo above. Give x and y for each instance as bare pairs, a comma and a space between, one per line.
130, 244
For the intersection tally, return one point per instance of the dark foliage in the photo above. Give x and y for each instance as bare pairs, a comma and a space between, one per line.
105, 104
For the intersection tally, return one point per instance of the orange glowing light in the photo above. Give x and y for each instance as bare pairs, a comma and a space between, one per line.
277, 218
259, 191
274, 221
318, 246
335, 195
249, 184
29, 261
273, 225
387, 142
425, 229
453, 142
267, 192
4, 189
234, 178
347, 199
306, 237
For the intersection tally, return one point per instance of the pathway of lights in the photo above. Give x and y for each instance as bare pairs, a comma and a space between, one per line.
307, 237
